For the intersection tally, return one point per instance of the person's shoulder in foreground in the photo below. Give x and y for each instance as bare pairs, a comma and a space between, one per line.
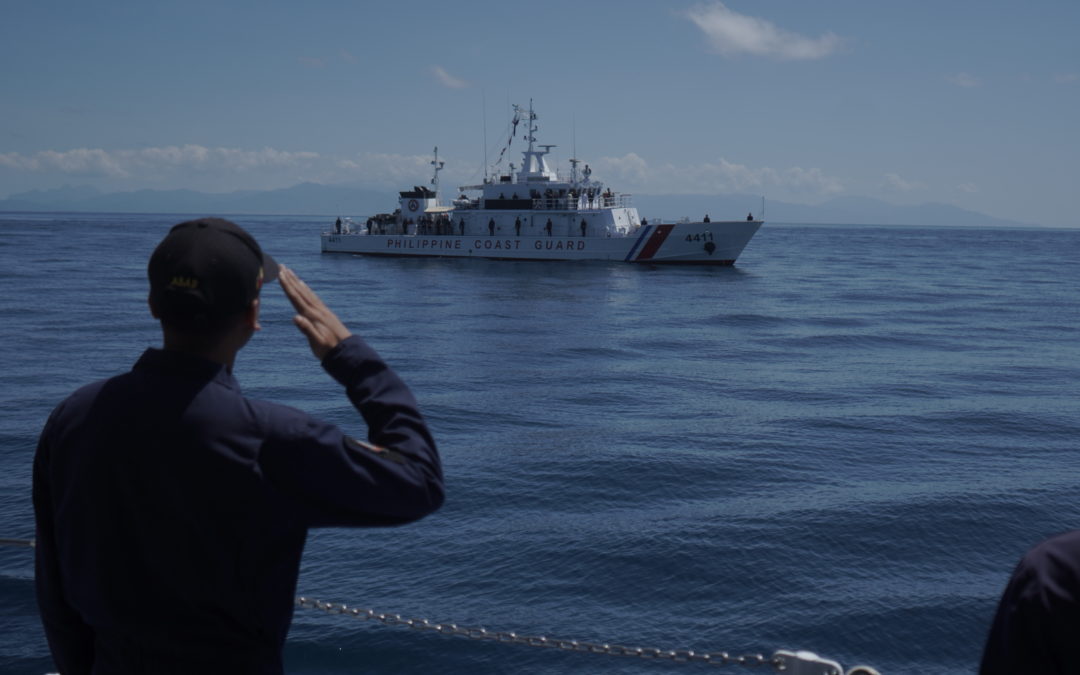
1037, 624
171, 510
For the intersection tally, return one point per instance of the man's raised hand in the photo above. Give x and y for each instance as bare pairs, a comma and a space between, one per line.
323, 329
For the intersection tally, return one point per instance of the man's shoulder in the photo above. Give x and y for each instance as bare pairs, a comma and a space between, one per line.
1055, 561
86, 394
70, 413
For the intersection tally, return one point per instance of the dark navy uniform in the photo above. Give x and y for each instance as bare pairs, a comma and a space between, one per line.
1037, 624
172, 511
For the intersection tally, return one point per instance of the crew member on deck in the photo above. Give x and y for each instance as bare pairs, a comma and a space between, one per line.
1038, 616
172, 510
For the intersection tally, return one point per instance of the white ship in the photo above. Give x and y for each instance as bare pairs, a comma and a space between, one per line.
534, 213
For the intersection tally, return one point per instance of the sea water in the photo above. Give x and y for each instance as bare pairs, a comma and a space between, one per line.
841, 444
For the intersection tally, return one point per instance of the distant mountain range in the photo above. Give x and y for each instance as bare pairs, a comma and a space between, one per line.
344, 200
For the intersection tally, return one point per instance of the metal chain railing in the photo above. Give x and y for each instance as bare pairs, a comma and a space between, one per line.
782, 661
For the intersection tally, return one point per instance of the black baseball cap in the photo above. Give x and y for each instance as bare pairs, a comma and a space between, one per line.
206, 270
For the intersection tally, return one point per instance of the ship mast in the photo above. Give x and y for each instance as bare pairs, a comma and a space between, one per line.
532, 129
435, 178
534, 166
573, 156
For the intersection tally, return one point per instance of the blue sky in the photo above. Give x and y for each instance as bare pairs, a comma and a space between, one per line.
971, 103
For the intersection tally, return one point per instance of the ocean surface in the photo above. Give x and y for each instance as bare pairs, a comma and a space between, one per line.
842, 444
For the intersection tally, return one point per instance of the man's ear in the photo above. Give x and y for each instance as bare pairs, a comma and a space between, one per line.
251, 317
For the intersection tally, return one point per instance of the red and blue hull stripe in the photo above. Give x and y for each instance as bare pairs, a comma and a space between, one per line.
651, 239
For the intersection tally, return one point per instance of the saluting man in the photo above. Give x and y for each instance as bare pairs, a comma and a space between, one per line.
172, 510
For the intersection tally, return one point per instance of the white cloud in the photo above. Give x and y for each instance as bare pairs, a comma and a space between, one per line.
630, 167
963, 80
448, 80
1066, 78
388, 170
893, 182
205, 168
632, 173
124, 163
969, 188
731, 33
81, 161
812, 181
222, 169
311, 61
347, 56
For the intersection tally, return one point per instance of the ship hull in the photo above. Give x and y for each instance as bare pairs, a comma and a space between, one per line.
712, 243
